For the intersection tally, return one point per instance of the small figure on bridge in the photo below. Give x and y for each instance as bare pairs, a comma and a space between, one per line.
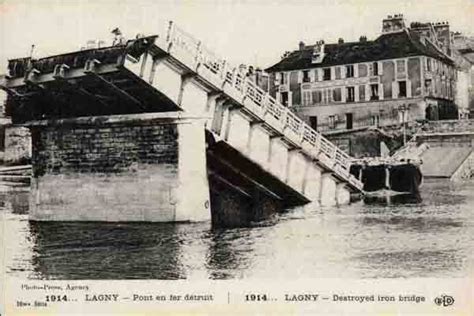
118, 37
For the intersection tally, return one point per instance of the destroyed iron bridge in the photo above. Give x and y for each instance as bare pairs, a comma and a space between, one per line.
159, 129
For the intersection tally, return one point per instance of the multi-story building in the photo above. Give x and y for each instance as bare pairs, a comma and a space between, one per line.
405, 74
463, 53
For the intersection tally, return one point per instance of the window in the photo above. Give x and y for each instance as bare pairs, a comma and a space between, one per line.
327, 74
348, 120
428, 63
306, 76
332, 121
349, 71
375, 69
362, 70
284, 98
283, 78
401, 66
337, 95
362, 93
402, 89
350, 95
306, 98
326, 96
375, 120
428, 87
337, 72
313, 122
374, 92
329, 95
317, 97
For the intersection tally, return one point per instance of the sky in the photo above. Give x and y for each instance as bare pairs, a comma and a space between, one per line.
251, 32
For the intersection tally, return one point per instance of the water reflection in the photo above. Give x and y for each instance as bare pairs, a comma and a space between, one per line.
393, 199
229, 253
106, 251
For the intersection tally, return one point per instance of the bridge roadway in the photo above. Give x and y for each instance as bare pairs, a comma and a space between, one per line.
212, 138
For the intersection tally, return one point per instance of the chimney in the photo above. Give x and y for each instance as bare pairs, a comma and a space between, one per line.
393, 24
363, 39
443, 37
340, 40
301, 45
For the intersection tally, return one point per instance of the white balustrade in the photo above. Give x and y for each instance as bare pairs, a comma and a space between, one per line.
183, 43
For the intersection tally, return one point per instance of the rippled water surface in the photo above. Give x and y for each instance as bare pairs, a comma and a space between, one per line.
433, 238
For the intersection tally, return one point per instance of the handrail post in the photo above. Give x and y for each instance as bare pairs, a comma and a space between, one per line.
244, 89
317, 144
264, 106
198, 52
170, 28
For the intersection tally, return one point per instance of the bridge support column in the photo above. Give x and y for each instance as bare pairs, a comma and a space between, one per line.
296, 169
312, 185
343, 195
277, 157
192, 193
258, 144
141, 167
328, 190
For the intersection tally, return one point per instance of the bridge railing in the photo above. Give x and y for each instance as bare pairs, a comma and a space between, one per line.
218, 69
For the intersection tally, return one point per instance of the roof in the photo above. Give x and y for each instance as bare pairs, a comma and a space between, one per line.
386, 46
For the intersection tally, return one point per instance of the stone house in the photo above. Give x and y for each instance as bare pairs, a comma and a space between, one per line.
405, 74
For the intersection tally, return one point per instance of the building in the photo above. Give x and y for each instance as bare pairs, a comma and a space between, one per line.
463, 53
405, 74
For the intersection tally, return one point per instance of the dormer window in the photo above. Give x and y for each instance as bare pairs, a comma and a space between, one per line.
318, 53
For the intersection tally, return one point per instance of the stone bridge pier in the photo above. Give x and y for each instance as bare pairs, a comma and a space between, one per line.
142, 167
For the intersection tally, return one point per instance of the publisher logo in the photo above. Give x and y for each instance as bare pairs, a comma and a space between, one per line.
444, 300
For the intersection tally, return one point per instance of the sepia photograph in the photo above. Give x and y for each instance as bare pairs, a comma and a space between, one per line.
269, 154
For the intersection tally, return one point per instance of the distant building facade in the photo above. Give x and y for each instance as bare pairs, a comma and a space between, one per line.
463, 53
406, 74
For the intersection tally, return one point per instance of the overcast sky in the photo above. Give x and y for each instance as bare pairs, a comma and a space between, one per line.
253, 32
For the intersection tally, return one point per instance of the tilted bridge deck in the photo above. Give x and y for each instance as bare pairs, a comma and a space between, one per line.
128, 71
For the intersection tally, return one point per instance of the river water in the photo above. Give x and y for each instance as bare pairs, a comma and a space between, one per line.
400, 239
